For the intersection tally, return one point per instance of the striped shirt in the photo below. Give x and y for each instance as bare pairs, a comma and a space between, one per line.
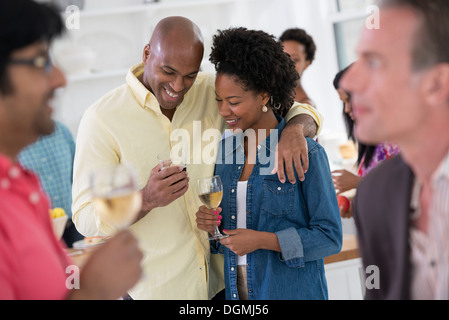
51, 158
430, 251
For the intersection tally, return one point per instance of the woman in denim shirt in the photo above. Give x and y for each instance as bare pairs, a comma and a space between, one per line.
279, 233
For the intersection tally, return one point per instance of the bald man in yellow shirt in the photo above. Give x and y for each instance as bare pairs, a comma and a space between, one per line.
166, 99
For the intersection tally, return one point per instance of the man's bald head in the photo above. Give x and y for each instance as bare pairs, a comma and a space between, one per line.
172, 60
177, 27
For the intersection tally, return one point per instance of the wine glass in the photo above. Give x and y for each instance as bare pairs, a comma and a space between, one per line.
210, 192
117, 197
171, 157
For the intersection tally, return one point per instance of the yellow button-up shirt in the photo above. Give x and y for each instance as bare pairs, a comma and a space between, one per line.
127, 126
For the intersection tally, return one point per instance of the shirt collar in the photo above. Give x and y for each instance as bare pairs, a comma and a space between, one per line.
144, 96
11, 169
443, 169
6, 163
239, 138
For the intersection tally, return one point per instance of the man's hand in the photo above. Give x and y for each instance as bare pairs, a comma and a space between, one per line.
112, 269
163, 187
292, 151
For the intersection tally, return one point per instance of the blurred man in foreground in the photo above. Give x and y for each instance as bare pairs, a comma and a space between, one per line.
399, 90
33, 262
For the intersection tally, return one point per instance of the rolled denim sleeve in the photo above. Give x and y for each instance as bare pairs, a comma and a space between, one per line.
291, 246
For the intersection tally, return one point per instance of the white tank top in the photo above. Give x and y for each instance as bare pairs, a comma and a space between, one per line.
241, 213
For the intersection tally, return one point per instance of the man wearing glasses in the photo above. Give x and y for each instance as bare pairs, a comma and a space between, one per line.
33, 263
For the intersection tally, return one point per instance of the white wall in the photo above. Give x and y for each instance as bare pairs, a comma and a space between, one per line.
119, 34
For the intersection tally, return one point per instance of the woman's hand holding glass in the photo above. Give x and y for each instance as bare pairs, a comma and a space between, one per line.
207, 219
210, 192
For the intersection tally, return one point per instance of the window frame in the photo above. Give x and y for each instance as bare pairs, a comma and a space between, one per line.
336, 17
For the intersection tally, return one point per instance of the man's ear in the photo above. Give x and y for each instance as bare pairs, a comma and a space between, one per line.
146, 53
436, 85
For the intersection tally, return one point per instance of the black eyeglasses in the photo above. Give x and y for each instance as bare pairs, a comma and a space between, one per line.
37, 62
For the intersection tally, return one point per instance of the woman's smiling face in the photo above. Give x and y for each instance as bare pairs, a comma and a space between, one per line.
240, 108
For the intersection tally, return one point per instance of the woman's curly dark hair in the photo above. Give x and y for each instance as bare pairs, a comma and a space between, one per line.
259, 62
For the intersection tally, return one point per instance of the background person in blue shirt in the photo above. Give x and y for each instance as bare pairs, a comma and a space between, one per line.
279, 232
51, 158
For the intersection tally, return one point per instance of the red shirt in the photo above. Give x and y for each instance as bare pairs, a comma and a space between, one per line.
32, 260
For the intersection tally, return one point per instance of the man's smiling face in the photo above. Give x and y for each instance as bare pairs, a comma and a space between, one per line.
170, 69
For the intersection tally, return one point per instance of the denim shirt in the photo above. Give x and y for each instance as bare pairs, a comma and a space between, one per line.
304, 216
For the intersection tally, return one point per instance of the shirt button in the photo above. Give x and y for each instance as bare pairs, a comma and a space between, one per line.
34, 197
240, 167
232, 217
279, 188
232, 190
259, 147
14, 172
234, 295
232, 269
5, 184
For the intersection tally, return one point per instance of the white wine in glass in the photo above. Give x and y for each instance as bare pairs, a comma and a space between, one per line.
210, 192
116, 195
